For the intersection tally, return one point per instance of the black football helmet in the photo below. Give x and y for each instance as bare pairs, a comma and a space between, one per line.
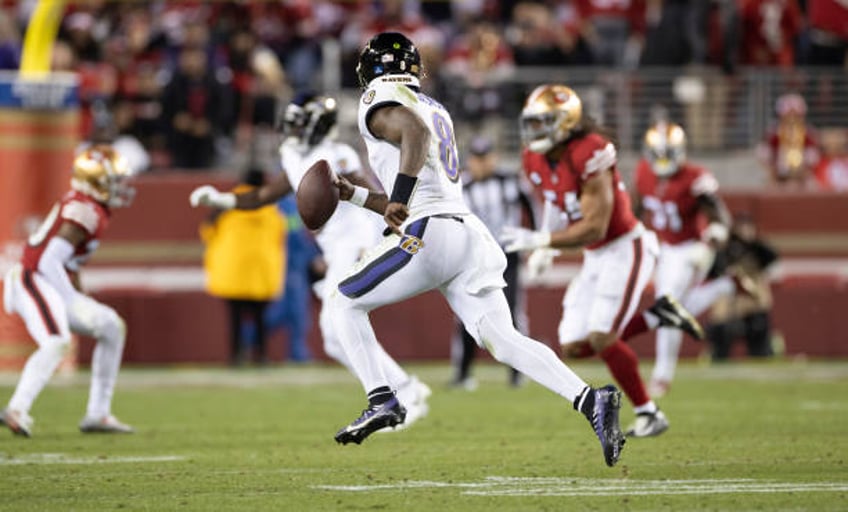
388, 53
309, 118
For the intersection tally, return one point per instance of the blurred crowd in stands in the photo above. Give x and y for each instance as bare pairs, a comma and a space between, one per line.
190, 80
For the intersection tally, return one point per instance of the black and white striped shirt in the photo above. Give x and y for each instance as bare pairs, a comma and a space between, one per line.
499, 200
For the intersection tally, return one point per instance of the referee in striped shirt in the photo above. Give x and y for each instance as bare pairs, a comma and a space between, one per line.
500, 198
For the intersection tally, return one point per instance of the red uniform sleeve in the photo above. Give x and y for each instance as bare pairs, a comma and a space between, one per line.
593, 154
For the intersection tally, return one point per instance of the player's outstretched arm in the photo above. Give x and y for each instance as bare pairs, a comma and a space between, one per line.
207, 195
716, 212
596, 203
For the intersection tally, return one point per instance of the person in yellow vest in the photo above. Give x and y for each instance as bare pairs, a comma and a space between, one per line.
245, 263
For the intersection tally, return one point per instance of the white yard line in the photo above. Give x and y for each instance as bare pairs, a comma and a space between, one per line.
60, 458
564, 486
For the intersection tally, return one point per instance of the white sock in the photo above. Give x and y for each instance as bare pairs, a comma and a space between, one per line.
105, 363
700, 298
651, 320
36, 373
668, 347
650, 407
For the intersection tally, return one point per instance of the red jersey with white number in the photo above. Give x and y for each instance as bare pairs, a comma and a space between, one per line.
91, 216
561, 182
671, 203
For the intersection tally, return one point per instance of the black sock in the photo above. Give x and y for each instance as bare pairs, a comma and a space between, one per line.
380, 395
585, 402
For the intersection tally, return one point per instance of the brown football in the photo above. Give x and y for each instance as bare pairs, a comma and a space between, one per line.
317, 196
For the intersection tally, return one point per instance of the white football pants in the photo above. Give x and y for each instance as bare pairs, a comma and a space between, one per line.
458, 256
50, 321
681, 269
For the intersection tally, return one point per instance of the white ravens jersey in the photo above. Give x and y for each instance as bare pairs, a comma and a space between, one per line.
348, 221
439, 188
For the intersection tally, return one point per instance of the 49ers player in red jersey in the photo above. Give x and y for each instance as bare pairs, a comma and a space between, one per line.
674, 195
574, 165
43, 290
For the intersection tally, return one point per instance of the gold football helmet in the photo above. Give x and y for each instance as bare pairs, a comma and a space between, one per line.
665, 148
102, 174
550, 114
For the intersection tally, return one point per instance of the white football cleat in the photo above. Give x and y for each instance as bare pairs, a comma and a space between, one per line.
19, 422
105, 425
648, 424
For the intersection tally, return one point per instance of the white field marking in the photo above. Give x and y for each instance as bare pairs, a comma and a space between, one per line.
60, 458
815, 405
563, 486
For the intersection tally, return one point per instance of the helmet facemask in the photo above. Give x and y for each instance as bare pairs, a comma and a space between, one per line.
310, 123
549, 116
102, 174
665, 148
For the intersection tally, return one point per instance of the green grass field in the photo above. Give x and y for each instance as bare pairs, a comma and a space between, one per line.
743, 436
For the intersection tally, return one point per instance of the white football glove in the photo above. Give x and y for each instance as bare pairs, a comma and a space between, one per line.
701, 256
715, 234
522, 239
207, 195
540, 260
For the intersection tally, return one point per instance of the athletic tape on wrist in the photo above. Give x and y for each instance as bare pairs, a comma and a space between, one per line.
360, 195
403, 188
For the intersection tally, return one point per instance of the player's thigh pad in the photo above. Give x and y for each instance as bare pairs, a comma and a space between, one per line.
626, 267
41, 308
679, 268
471, 308
577, 303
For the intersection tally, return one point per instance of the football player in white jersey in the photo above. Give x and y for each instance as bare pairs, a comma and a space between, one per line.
433, 242
308, 126
41, 290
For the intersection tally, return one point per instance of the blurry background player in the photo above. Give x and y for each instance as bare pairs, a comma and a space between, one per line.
790, 150
245, 263
500, 199
44, 290
744, 315
304, 265
308, 128
575, 166
672, 195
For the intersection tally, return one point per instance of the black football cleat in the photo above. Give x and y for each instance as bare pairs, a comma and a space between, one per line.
374, 418
604, 420
672, 314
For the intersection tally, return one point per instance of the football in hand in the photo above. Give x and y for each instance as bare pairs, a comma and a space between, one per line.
317, 196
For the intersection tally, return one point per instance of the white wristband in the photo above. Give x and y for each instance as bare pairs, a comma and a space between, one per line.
360, 195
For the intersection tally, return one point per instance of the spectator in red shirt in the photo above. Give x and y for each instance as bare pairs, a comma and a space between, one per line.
790, 151
770, 29
828, 33
614, 30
